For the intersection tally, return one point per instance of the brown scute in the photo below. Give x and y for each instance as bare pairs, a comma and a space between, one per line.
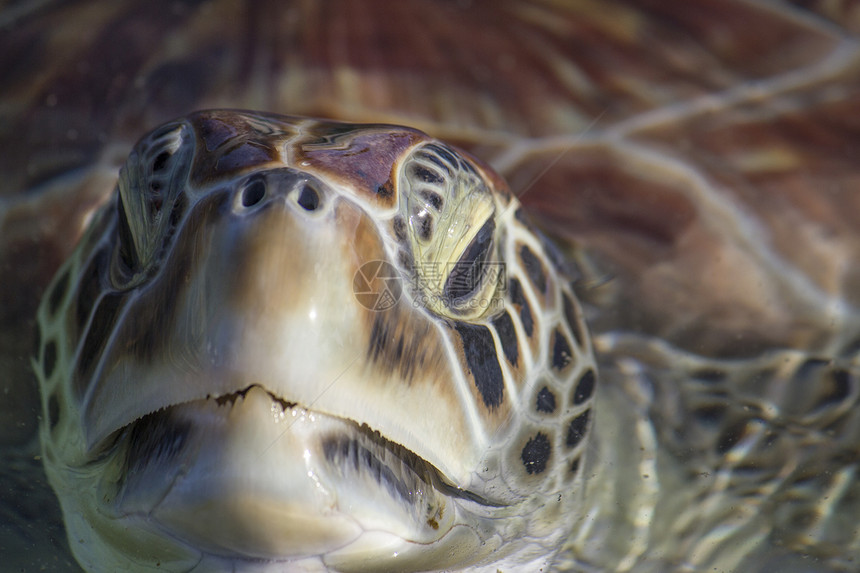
421, 173
483, 362
430, 153
536, 453
545, 401
562, 354
422, 222
534, 269
577, 429
584, 387
214, 131
244, 156
573, 320
363, 158
518, 298
443, 152
405, 260
433, 199
385, 191
230, 143
399, 228
507, 337
521, 216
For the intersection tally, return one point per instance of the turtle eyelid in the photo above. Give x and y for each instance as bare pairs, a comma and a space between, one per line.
468, 272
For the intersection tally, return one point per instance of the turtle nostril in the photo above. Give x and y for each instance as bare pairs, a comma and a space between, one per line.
309, 199
253, 193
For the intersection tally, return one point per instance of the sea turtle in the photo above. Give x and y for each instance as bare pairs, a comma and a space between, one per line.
692, 164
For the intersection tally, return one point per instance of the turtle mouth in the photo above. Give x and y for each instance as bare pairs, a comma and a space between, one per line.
158, 437
276, 478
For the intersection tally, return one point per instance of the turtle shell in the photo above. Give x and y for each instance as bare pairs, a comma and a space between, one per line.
700, 160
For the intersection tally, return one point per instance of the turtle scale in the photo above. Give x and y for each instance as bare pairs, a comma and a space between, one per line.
736, 113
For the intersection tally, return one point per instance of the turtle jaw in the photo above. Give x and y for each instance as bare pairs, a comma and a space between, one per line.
250, 476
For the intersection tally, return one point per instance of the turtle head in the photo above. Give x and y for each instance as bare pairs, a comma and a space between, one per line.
333, 345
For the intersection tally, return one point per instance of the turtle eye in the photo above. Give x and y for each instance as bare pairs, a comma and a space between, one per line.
450, 211
470, 272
